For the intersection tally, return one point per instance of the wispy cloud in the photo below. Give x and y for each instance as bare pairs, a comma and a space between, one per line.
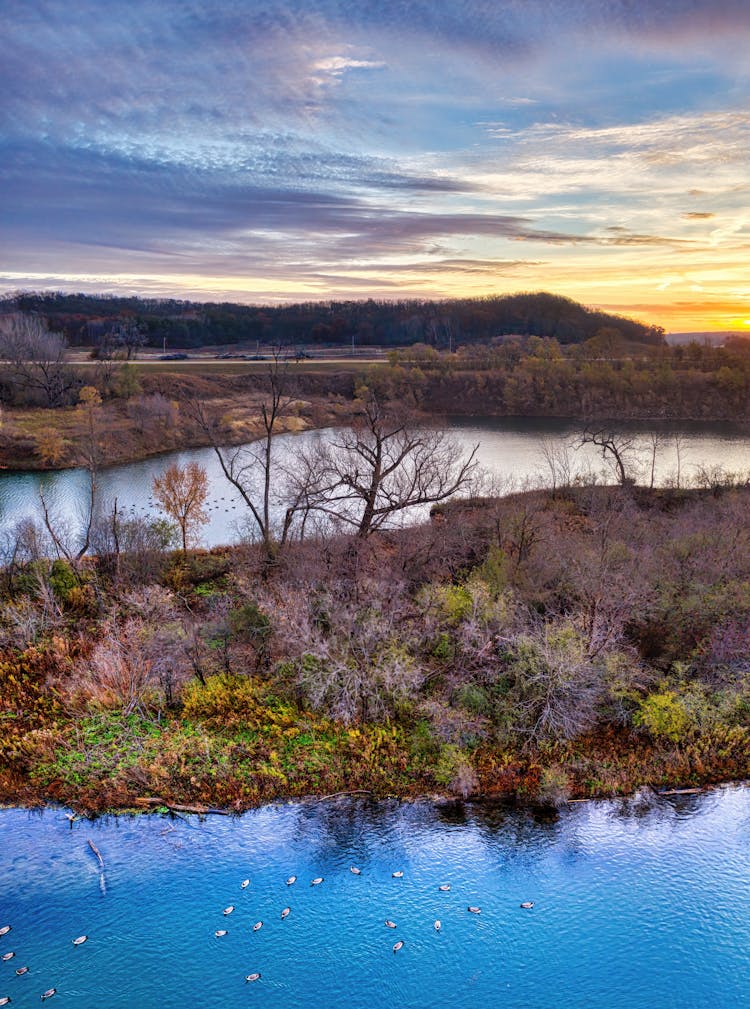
273, 148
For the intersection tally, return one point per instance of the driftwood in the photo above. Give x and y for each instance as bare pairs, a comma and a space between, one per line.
175, 807
682, 791
337, 795
97, 853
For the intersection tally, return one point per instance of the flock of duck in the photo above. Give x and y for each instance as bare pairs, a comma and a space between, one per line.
356, 871
220, 932
21, 971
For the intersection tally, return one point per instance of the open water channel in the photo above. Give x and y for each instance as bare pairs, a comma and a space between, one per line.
636, 905
513, 450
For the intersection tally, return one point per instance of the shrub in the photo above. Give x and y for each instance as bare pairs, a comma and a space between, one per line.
454, 769
664, 716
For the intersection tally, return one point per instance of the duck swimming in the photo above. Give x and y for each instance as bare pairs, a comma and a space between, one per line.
257, 925
8, 956
220, 932
285, 912
438, 926
444, 887
389, 923
228, 910
5, 1000
253, 977
355, 870
397, 875
80, 940
22, 970
473, 909
292, 879
316, 881
528, 904
398, 945
244, 884
49, 993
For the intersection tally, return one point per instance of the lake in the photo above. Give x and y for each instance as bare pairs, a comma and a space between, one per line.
634, 906
511, 449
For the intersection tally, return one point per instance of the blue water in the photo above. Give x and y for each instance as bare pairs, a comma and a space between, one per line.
632, 907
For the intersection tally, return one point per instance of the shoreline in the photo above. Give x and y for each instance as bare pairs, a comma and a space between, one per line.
156, 807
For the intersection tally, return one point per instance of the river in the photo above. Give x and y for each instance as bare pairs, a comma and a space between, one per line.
634, 906
513, 450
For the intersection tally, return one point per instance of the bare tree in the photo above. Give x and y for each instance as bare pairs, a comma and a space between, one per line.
555, 454
655, 441
616, 449
254, 471
386, 464
35, 359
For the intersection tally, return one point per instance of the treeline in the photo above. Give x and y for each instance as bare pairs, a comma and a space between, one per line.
581, 642
596, 379
87, 319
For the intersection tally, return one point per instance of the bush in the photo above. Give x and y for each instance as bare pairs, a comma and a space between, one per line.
454, 769
664, 716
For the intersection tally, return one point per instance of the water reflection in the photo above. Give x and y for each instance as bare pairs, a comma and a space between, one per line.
621, 891
510, 448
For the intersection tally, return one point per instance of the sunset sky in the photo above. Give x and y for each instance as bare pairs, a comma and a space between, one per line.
264, 150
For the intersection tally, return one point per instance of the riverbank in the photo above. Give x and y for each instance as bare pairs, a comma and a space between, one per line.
159, 414
146, 412
542, 646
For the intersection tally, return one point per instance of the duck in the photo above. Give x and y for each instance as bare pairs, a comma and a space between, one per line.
291, 880
244, 884
528, 904
317, 881
22, 970
228, 910
220, 932
257, 925
398, 945
397, 875
80, 940
474, 909
355, 870
49, 993
8, 956
285, 912
444, 887
438, 926
5, 929
5, 1000
389, 923
253, 977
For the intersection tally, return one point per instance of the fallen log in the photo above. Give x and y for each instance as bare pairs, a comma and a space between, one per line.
177, 807
96, 852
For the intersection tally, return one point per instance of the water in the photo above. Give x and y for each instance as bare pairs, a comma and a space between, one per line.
632, 908
511, 449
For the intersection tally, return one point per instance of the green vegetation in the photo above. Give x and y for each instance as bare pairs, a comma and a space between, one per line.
613, 651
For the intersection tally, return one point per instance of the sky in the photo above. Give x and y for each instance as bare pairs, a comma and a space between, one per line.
267, 151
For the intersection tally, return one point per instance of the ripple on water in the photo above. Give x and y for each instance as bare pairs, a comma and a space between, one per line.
629, 909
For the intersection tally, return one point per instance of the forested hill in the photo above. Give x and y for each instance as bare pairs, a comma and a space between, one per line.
84, 319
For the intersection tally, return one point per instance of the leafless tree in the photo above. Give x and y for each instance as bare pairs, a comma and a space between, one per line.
254, 471
616, 449
556, 457
384, 464
655, 441
35, 359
